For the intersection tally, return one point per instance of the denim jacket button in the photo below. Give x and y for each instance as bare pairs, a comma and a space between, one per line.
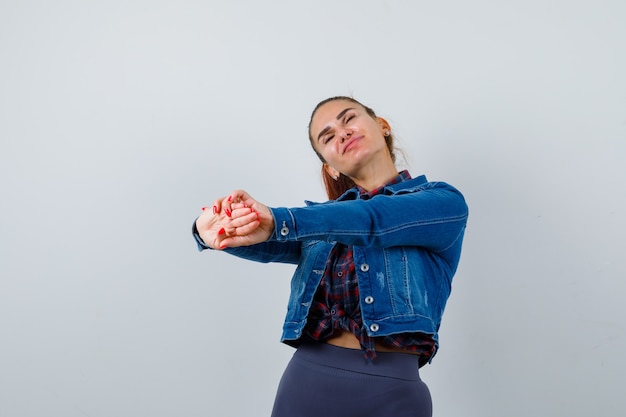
374, 327
365, 267
369, 299
284, 231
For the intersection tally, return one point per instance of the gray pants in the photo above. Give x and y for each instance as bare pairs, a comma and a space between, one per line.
329, 381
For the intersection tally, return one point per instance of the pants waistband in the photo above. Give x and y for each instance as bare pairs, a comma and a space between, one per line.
389, 364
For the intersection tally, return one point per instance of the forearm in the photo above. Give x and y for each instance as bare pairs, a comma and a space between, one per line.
271, 251
433, 217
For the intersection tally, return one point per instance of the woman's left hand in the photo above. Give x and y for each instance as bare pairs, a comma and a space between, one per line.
214, 226
237, 205
235, 220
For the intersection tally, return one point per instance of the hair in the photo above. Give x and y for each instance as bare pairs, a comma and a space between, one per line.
335, 188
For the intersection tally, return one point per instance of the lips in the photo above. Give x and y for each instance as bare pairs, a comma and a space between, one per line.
351, 143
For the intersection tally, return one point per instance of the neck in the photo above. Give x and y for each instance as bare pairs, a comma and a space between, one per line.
373, 176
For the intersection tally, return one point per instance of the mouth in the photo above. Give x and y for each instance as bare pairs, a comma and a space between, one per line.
351, 143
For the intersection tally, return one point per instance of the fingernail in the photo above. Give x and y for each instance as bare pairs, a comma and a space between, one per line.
214, 209
222, 246
228, 212
222, 231
204, 208
230, 197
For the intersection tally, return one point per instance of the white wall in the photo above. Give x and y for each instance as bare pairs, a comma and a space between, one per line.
119, 120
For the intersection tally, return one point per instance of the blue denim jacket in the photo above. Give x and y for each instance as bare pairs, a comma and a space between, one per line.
407, 244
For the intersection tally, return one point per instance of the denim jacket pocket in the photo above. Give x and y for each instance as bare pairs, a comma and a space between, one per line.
413, 282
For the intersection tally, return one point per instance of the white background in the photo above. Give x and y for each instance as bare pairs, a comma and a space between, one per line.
119, 120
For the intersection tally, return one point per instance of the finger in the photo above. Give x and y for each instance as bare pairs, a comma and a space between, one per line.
242, 217
240, 196
232, 202
217, 206
237, 196
241, 226
247, 228
241, 211
227, 204
238, 206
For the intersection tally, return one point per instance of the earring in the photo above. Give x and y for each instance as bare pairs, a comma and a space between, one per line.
335, 177
387, 133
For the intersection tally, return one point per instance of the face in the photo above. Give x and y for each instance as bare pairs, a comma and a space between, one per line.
347, 137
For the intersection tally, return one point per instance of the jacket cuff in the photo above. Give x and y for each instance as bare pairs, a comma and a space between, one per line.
284, 224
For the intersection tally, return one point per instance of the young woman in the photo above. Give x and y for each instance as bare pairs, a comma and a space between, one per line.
374, 270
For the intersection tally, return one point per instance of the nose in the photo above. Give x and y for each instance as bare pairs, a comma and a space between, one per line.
345, 135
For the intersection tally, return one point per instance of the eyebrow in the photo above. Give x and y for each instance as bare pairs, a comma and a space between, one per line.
339, 116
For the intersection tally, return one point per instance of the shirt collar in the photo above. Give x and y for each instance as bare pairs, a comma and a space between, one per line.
402, 176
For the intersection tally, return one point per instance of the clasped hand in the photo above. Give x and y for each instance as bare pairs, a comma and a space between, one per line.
235, 220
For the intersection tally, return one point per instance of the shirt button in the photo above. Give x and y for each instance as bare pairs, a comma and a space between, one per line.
369, 299
365, 267
374, 327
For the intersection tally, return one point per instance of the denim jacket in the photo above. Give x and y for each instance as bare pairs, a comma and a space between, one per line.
406, 243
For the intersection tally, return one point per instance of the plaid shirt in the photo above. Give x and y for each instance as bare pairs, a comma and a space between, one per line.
336, 306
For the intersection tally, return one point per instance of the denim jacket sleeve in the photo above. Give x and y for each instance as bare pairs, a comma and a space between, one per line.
430, 215
269, 251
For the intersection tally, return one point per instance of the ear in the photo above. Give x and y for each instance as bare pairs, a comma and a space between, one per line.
331, 171
384, 125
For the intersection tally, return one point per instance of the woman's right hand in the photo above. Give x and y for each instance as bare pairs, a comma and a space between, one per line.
216, 225
235, 220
